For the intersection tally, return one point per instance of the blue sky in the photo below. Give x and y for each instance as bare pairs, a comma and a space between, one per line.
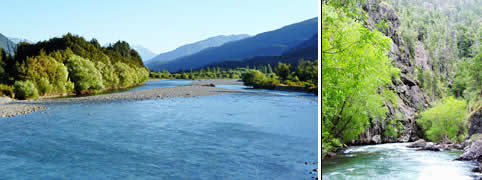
159, 25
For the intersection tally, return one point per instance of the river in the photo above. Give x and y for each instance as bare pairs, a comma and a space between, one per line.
264, 135
396, 161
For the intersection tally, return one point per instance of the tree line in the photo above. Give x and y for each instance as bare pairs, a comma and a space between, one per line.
69, 65
304, 75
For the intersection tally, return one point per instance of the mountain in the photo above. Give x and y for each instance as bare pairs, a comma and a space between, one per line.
271, 43
307, 50
18, 40
7, 45
145, 53
192, 48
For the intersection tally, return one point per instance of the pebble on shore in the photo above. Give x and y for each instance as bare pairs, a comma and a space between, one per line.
8, 109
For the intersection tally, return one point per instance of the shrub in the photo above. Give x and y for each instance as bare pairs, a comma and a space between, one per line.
48, 75
6, 90
445, 121
44, 86
253, 78
125, 73
85, 76
25, 90
109, 76
283, 70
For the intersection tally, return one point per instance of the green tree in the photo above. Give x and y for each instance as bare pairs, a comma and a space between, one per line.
25, 90
355, 69
85, 76
283, 71
446, 120
270, 70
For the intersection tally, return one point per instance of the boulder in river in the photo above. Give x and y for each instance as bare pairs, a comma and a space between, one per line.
474, 152
478, 169
330, 154
430, 147
418, 144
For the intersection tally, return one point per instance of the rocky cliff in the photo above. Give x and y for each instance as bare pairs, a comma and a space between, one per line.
475, 122
411, 99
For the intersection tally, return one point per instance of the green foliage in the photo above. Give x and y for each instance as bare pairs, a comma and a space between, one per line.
283, 71
448, 30
446, 120
25, 90
63, 65
84, 74
128, 76
110, 76
467, 81
393, 127
465, 41
253, 78
355, 66
462, 77
307, 71
6, 90
48, 75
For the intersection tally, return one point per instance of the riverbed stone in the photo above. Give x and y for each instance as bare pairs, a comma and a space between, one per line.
418, 144
430, 147
5, 100
330, 154
474, 152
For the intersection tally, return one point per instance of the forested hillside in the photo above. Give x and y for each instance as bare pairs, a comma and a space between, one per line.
67, 65
442, 36
390, 69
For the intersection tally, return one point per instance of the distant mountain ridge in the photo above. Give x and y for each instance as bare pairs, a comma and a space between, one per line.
307, 50
145, 53
271, 43
192, 48
19, 40
7, 45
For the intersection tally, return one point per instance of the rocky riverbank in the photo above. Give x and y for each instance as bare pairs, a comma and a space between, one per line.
219, 82
10, 107
178, 91
472, 149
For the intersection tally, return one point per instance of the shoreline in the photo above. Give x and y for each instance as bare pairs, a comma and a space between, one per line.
202, 87
10, 107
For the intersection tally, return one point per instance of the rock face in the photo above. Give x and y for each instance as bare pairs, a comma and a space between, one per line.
421, 57
411, 98
474, 152
475, 122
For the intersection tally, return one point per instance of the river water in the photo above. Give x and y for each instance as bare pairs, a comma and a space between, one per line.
232, 136
396, 161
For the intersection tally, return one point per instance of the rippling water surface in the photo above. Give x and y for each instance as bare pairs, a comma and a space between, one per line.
232, 136
161, 84
396, 161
